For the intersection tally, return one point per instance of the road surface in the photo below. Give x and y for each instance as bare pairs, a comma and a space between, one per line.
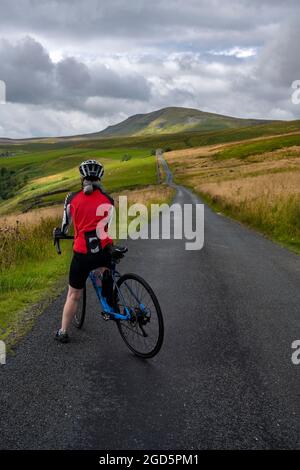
223, 379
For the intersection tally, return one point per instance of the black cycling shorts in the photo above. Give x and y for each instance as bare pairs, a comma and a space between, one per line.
83, 263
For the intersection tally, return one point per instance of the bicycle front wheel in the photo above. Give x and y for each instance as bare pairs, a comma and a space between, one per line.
144, 332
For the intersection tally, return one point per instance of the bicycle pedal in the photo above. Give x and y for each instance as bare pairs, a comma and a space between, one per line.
105, 316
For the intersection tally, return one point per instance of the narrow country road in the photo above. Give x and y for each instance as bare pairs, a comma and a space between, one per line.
223, 379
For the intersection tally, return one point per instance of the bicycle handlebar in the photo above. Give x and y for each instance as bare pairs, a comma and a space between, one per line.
58, 238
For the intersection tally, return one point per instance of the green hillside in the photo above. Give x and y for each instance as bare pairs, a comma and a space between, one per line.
38, 172
172, 120
42, 178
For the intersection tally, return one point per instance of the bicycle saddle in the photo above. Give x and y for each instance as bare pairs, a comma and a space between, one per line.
118, 251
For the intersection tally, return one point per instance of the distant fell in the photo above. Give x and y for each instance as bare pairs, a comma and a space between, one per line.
173, 120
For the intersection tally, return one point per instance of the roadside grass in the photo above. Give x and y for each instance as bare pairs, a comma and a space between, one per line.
155, 194
261, 190
29, 267
270, 203
34, 217
25, 286
244, 150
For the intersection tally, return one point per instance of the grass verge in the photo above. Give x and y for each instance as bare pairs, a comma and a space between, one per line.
257, 184
29, 273
279, 221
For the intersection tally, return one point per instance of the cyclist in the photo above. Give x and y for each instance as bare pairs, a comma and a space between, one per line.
91, 211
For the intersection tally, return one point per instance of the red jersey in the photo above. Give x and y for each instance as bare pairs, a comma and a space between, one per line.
91, 214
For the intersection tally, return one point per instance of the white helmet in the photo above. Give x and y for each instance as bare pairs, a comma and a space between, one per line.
91, 168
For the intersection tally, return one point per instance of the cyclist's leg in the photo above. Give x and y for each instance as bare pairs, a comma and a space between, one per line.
80, 267
70, 307
79, 271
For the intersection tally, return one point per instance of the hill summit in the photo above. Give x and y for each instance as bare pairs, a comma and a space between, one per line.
175, 119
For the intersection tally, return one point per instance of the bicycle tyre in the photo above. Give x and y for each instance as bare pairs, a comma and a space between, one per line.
121, 323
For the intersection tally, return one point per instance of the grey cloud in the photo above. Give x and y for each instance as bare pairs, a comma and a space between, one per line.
120, 58
31, 77
268, 86
26, 68
144, 21
73, 75
106, 82
280, 60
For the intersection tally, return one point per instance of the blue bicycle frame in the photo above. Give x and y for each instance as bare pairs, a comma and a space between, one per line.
106, 307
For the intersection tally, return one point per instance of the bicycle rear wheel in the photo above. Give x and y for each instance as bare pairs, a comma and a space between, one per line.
144, 332
79, 317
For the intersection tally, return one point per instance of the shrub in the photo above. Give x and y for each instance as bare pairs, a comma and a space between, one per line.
126, 157
10, 182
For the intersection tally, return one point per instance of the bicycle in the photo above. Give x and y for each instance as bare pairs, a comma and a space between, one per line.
135, 310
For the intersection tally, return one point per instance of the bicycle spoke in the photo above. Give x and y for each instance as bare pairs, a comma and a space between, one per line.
141, 332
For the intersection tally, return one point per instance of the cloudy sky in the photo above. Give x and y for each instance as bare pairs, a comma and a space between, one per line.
74, 66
